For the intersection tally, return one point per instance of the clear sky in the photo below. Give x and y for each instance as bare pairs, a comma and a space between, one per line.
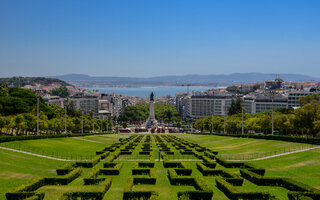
159, 37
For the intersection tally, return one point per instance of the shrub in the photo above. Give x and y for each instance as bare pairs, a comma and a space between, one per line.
195, 195
146, 164
89, 164
282, 182
209, 154
63, 180
172, 164
65, 169
111, 171
303, 195
27, 190
236, 194
96, 193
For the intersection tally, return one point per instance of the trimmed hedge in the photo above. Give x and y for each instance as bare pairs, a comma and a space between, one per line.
172, 164
150, 195
235, 194
115, 170
196, 195
96, 193
209, 154
29, 189
287, 183
65, 169
89, 164
207, 159
303, 195
146, 164
140, 171
63, 180
128, 194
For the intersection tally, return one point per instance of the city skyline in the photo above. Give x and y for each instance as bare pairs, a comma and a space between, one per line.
156, 38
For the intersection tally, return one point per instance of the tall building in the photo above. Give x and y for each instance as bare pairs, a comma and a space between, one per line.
293, 97
86, 103
200, 105
117, 103
260, 103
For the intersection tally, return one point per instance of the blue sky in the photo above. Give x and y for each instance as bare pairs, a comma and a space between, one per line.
146, 38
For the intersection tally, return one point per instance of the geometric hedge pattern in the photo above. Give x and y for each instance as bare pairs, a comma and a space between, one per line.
196, 179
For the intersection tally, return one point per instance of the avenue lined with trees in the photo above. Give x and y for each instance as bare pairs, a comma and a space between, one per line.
140, 112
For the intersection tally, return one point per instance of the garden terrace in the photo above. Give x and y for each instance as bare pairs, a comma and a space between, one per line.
118, 170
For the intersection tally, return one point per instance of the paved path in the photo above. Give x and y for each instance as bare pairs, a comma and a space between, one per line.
85, 140
281, 154
34, 154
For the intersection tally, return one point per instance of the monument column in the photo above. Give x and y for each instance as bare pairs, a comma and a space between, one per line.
151, 107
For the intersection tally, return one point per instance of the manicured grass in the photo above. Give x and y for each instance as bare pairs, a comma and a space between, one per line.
232, 145
17, 168
74, 147
303, 167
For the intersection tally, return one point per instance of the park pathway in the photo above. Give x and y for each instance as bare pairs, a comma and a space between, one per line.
35, 154
255, 159
277, 155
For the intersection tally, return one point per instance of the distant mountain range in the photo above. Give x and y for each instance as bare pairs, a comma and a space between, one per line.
82, 80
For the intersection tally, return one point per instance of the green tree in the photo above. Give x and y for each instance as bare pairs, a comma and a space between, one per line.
311, 98
235, 107
61, 92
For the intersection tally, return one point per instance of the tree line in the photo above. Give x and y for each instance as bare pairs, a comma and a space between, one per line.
140, 112
301, 121
18, 115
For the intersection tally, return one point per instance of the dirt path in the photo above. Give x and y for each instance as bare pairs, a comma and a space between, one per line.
34, 154
277, 155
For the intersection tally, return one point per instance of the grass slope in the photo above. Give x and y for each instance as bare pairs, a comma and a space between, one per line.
303, 167
17, 168
61, 147
232, 145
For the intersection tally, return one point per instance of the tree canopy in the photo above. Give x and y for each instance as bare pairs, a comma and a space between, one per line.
61, 92
140, 112
235, 107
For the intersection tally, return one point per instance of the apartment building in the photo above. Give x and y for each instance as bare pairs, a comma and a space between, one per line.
87, 103
260, 103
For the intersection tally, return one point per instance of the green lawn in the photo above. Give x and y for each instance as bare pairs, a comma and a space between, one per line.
303, 167
73, 147
233, 145
17, 168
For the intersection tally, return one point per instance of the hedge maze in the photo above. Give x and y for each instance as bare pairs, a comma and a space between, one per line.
119, 172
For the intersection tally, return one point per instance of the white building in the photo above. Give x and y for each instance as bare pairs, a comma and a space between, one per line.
293, 97
86, 103
200, 105
260, 103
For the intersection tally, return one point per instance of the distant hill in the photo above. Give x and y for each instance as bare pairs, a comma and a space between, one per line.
22, 81
206, 80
